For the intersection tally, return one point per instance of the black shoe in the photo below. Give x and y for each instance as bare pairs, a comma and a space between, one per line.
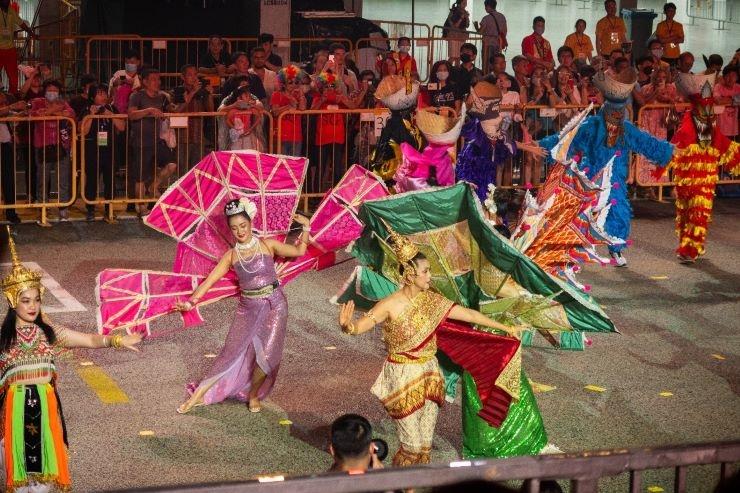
90, 215
131, 208
12, 217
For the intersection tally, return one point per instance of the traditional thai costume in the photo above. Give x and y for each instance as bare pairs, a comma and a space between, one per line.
606, 135
696, 170
32, 431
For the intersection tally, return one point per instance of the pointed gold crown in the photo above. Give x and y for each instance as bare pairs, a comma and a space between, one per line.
20, 277
402, 247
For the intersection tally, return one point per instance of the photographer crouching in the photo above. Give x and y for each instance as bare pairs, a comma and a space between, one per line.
352, 445
195, 95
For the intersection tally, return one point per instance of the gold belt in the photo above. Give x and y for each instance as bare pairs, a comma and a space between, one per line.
261, 292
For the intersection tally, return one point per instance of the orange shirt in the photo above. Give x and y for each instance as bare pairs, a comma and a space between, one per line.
580, 44
666, 29
610, 32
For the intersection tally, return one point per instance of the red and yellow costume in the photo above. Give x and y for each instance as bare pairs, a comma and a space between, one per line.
702, 150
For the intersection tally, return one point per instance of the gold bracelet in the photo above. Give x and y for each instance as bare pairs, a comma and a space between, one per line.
350, 329
372, 317
116, 341
106, 341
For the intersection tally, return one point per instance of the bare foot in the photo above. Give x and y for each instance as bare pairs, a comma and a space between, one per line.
254, 405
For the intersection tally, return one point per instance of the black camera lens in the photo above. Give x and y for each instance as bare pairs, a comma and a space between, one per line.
381, 448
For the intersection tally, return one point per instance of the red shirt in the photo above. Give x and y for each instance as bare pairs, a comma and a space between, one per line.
290, 126
330, 128
536, 46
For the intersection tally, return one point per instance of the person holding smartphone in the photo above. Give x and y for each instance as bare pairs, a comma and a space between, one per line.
351, 445
289, 97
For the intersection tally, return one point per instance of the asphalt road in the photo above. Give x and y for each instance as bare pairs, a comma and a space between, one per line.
679, 334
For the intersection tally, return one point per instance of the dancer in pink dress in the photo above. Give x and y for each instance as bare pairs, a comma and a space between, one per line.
248, 364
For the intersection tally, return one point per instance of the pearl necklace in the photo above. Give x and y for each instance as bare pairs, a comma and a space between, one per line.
254, 242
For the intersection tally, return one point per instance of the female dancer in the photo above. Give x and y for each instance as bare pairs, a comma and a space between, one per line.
248, 364
411, 385
33, 435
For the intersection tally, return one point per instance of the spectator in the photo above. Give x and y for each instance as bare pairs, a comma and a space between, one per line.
194, 95
564, 91
727, 94
150, 159
216, 60
244, 120
52, 140
620, 64
714, 65
330, 132
346, 79
388, 65
8, 51
242, 72
406, 62
272, 60
81, 102
670, 34
494, 30
580, 43
735, 62
125, 81
589, 92
97, 136
442, 90
289, 97
7, 161
566, 59
33, 86
686, 62
644, 71
318, 62
455, 29
509, 98
610, 30
467, 74
498, 67
351, 445
520, 65
655, 50
536, 48
267, 76
614, 56
365, 138
365, 98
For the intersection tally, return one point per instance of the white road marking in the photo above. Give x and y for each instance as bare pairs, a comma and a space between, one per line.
69, 302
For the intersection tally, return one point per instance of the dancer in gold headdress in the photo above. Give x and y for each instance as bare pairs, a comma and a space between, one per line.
33, 435
410, 385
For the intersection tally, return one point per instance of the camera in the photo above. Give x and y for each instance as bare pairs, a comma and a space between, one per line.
381, 448
202, 92
204, 82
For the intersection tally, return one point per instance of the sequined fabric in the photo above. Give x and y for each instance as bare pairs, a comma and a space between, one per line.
256, 336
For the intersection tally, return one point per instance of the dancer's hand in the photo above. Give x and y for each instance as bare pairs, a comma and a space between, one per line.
183, 306
532, 148
130, 341
346, 314
301, 219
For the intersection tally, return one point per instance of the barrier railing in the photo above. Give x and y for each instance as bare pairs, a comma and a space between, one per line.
651, 118
41, 150
448, 48
713, 10
298, 50
396, 29
583, 470
135, 161
367, 51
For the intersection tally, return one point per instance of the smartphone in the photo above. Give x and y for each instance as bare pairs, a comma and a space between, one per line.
432, 86
331, 58
122, 78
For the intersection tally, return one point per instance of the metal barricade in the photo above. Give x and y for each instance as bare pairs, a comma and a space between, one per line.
64, 53
643, 169
714, 10
299, 50
369, 50
133, 163
396, 29
38, 159
448, 47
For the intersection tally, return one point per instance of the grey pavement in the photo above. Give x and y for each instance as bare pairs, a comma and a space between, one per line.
679, 334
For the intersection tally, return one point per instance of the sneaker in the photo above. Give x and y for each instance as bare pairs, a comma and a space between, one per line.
619, 260
90, 216
12, 217
63, 215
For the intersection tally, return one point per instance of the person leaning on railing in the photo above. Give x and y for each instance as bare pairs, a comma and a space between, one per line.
52, 140
7, 156
727, 94
98, 138
243, 119
289, 97
194, 95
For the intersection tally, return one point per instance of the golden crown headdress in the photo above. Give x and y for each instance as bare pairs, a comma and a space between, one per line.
402, 247
20, 278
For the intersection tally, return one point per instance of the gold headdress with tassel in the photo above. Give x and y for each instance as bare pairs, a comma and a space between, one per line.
20, 277
402, 247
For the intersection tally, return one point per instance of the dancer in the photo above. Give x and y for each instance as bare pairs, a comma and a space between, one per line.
33, 435
702, 150
248, 364
410, 385
608, 134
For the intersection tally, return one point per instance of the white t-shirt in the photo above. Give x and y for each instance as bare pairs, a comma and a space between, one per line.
511, 98
270, 82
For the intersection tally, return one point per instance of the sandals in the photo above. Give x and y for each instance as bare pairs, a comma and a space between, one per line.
183, 410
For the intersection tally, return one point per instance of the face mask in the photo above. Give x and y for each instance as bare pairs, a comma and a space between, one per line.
131, 68
647, 70
539, 30
404, 49
466, 57
52, 96
442, 75
657, 53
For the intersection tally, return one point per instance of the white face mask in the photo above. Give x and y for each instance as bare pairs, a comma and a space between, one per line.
52, 96
442, 75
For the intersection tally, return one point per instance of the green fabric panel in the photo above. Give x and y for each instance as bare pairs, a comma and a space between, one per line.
366, 288
572, 341
521, 433
527, 336
48, 456
451, 373
18, 441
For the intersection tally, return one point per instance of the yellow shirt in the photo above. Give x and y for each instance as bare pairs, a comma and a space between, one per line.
580, 44
610, 32
666, 29
9, 22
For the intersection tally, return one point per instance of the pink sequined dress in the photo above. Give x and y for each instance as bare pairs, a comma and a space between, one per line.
256, 336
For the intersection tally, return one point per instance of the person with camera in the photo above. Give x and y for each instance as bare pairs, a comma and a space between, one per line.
243, 119
352, 446
216, 60
194, 95
124, 82
242, 72
97, 135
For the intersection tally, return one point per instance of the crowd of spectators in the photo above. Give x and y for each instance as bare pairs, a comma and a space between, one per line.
251, 96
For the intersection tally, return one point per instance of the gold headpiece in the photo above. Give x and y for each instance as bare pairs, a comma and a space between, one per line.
20, 277
402, 247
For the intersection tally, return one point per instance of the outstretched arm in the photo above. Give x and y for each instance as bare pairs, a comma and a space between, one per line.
474, 317
292, 251
221, 269
378, 314
656, 150
72, 339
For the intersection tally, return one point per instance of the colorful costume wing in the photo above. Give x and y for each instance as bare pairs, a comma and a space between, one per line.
471, 264
191, 210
